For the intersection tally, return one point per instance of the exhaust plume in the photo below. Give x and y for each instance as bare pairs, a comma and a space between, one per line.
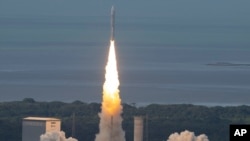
55, 136
110, 117
187, 136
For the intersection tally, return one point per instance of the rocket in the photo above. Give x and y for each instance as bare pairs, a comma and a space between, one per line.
112, 38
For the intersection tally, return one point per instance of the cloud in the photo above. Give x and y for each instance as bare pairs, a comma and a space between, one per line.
187, 136
55, 136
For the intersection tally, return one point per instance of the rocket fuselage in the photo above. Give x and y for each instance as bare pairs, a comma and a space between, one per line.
112, 23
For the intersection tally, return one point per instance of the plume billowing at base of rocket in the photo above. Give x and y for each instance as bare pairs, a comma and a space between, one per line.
110, 126
112, 37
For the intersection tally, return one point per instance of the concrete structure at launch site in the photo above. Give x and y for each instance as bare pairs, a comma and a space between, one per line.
138, 128
34, 127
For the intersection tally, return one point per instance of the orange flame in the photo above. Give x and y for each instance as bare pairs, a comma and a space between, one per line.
111, 99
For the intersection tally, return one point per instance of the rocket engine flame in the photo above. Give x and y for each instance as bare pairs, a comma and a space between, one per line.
111, 99
110, 116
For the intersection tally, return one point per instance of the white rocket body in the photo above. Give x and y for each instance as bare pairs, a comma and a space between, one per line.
112, 38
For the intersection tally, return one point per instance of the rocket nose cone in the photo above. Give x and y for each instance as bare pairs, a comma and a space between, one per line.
112, 9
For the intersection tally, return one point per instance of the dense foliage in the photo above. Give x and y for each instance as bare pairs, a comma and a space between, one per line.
162, 119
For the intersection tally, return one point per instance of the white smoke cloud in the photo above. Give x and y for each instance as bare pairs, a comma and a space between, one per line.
187, 136
55, 136
110, 117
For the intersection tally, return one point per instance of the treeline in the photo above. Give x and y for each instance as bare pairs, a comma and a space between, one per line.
162, 120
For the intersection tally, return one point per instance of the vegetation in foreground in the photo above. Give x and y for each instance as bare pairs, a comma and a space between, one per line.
163, 120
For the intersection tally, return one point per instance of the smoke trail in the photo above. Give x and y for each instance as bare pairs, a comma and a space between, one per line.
110, 117
55, 136
187, 136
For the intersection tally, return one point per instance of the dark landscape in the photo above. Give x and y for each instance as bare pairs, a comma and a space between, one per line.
163, 120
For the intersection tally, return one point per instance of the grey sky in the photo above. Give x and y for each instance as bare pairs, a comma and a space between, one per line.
46, 46
163, 8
